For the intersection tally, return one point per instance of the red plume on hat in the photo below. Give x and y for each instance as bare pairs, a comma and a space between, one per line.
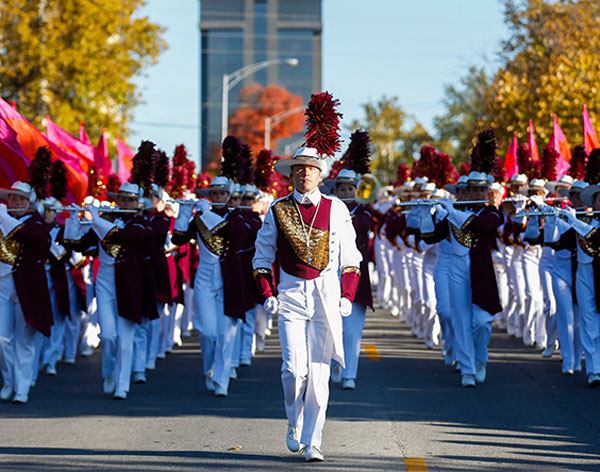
58, 180
113, 184
245, 173
263, 170
231, 152
144, 161
526, 164
357, 156
549, 160
483, 154
39, 172
402, 174
578, 162
161, 169
592, 172
323, 124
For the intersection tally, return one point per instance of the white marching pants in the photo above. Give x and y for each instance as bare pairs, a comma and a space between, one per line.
73, 324
247, 330
53, 347
352, 327
589, 318
90, 329
566, 316
217, 330
547, 331
534, 297
442, 297
472, 325
16, 339
306, 350
116, 332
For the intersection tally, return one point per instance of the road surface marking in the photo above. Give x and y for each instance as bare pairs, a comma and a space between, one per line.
415, 464
372, 353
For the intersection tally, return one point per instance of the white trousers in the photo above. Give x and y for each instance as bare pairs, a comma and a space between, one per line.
442, 297
307, 350
534, 297
90, 328
145, 343
217, 330
567, 316
352, 334
547, 331
517, 281
472, 325
16, 340
116, 332
590, 318
247, 334
53, 347
72, 324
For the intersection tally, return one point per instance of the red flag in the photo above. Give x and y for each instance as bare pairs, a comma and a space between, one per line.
13, 163
532, 145
30, 139
102, 158
124, 160
558, 142
511, 163
83, 137
590, 138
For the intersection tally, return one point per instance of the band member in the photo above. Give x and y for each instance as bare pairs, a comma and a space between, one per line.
346, 183
217, 299
313, 238
24, 245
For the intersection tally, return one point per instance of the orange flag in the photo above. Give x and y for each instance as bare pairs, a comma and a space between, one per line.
590, 138
124, 160
559, 142
535, 156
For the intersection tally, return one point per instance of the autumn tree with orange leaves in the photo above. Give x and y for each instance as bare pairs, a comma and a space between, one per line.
258, 103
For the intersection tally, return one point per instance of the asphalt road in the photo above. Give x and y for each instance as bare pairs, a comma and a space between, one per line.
407, 413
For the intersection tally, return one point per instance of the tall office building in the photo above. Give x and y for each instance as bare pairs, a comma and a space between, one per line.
237, 33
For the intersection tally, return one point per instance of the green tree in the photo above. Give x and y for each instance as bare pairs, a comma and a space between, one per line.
395, 135
466, 114
76, 60
550, 65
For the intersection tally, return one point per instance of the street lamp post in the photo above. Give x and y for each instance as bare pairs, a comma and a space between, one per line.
273, 120
230, 80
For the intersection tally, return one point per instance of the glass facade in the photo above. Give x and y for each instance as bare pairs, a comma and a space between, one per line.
238, 33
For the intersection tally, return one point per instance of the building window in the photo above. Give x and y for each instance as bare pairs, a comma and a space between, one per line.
260, 39
222, 10
297, 43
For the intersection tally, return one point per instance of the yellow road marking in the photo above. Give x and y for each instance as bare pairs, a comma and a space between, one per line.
415, 464
372, 353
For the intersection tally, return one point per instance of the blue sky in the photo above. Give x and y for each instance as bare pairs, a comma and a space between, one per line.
403, 48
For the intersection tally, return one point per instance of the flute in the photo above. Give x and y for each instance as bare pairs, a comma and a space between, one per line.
101, 209
555, 213
433, 201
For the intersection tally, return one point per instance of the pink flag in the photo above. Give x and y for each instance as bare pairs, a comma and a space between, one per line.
83, 137
102, 159
590, 138
64, 140
13, 163
535, 156
30, 139
124, 160
511, 163
558, 141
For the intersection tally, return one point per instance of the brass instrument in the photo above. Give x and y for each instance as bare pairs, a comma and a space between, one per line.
367, 189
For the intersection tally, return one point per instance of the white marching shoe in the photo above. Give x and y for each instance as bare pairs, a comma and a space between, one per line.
336, 373
481, 372
348, 384
120, 395
233, 373
292, 439
313, 454
220, 391
594, 380
50, 369
109, 384
139, 378
21, 398
6, 392
468, 381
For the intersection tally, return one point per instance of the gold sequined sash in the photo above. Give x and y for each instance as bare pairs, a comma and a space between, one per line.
213, 242
9, 249
316, 254
463, 237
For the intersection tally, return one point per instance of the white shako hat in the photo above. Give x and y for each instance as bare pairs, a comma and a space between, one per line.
219, 182
518, 179
127, 189
460, 183
250, 191
537, 185
52, 202
564, 182
477, 179
22, 189
587, 194
347, 176
305, 156
427, 187
577, 186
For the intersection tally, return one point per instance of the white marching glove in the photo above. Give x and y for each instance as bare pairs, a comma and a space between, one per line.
447, 204
271, 306
3, 211
183, 218
203, 205
345, 307
519, 202
568, 214
440, 213
538, 200
93, 211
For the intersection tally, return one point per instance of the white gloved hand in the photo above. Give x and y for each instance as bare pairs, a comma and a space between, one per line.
568, 214
3, 211
93, 211
447, 204
271, 306
203, 205
345, 307
537, 200
440, 213
519, 202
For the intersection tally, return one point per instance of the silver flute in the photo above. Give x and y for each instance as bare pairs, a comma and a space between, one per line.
74, 208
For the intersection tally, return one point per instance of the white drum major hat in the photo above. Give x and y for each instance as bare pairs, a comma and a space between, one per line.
305, 156
127, 189
219, 182
22, 189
